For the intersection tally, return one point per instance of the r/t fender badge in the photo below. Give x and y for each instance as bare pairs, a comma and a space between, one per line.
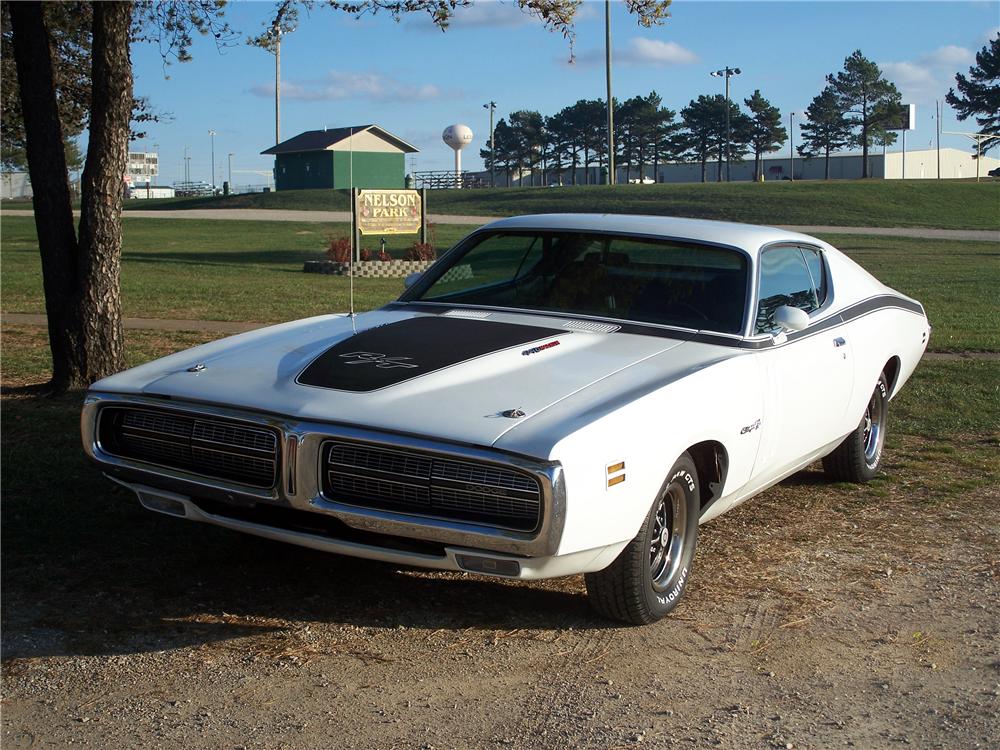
750, 428
381, 361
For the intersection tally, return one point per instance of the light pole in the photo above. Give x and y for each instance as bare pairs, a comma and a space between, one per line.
979, 138
791, 147
611, 107
230, 173
212, 134
492, 108
727, 73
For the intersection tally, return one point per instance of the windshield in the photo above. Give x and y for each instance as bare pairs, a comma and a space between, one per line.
631, 278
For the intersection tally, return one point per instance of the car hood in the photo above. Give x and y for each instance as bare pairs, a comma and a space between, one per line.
449, 376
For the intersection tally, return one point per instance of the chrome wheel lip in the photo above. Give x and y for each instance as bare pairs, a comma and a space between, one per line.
874, 428
667, 537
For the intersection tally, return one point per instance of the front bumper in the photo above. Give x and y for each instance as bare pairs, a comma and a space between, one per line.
298, 485
449, 557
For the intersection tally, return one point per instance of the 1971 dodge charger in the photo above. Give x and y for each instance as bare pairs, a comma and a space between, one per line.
556, 395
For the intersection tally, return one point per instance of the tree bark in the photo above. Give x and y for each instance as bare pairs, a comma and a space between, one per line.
98, 302
50, 182
80, 276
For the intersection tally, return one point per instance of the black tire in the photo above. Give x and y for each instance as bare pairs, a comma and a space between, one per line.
648, 578
859, 456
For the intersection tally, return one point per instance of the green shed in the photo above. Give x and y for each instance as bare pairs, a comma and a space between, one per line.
365, 156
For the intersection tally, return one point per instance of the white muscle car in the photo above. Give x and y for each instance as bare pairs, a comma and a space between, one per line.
558, 394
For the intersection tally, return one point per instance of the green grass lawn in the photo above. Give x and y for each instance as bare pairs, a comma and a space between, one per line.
213, 270
954, 204
228, 270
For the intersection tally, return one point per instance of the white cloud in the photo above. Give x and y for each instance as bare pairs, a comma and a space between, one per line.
929, 76
642, 51
492, 15
338, 85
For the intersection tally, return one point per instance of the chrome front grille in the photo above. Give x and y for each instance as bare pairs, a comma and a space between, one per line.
373, 476
207, 446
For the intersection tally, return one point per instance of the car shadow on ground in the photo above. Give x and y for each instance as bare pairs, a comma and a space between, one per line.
160, 588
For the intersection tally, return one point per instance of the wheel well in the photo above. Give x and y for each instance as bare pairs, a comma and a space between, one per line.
891, 371
712, 462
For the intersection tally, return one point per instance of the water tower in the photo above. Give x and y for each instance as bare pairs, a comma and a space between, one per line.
458, 137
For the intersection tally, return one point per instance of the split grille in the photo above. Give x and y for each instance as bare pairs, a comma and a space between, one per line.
207, 446
372, 476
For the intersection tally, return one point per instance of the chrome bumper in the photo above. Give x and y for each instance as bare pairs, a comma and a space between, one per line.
298, 484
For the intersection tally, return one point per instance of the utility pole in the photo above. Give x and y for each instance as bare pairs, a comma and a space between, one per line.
727, 73
211, 134
493, 154
937, 131
611, 106
277, 85
791, 147
230, 173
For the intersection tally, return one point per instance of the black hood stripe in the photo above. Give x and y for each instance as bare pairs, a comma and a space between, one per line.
397, 352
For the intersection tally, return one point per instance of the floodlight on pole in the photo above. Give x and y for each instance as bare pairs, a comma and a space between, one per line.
727, 73
492, 106
978, 138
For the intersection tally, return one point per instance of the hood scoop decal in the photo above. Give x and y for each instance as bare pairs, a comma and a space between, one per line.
397, 352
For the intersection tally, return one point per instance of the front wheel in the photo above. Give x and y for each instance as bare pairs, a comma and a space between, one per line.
648, 578
859, 456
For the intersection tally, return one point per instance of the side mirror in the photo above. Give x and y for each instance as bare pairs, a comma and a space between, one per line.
791, 318
412, 279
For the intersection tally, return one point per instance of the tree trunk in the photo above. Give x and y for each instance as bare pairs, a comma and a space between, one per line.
704, 163
49, 179
98, 301
864, 138
826, 169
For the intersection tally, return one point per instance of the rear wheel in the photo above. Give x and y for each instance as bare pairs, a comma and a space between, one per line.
648, 578
859, 456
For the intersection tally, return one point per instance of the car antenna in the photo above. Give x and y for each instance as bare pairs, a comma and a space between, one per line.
354, 237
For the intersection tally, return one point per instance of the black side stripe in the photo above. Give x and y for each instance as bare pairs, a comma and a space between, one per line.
857, 310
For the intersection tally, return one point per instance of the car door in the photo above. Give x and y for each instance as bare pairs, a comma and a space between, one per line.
808, 374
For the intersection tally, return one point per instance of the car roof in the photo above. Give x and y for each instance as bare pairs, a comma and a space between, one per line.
749, 237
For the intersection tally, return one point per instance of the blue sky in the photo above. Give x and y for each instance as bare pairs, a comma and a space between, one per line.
414, 80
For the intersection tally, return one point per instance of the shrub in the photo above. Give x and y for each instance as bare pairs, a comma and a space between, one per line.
383, 255
367, 254
420, 251
339, 250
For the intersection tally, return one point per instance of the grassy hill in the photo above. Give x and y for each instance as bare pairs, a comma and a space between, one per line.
950, 204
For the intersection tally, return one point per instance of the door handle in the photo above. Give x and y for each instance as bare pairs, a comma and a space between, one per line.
839, 341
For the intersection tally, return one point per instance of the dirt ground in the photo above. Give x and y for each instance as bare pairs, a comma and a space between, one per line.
818, 616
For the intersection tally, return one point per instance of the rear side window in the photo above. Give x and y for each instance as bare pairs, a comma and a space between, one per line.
791, 276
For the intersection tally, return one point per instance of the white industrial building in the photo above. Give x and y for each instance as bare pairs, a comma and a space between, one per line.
920, 165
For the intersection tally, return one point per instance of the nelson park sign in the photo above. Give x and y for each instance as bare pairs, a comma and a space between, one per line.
388, 212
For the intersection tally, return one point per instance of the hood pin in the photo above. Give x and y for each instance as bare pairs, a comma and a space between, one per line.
512, 414
196, 368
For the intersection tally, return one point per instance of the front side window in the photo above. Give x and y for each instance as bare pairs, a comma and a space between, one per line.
667, 282
789, 276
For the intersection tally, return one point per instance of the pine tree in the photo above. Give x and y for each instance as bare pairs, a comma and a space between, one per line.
826, 130
865, 98
979, 93
766, 131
